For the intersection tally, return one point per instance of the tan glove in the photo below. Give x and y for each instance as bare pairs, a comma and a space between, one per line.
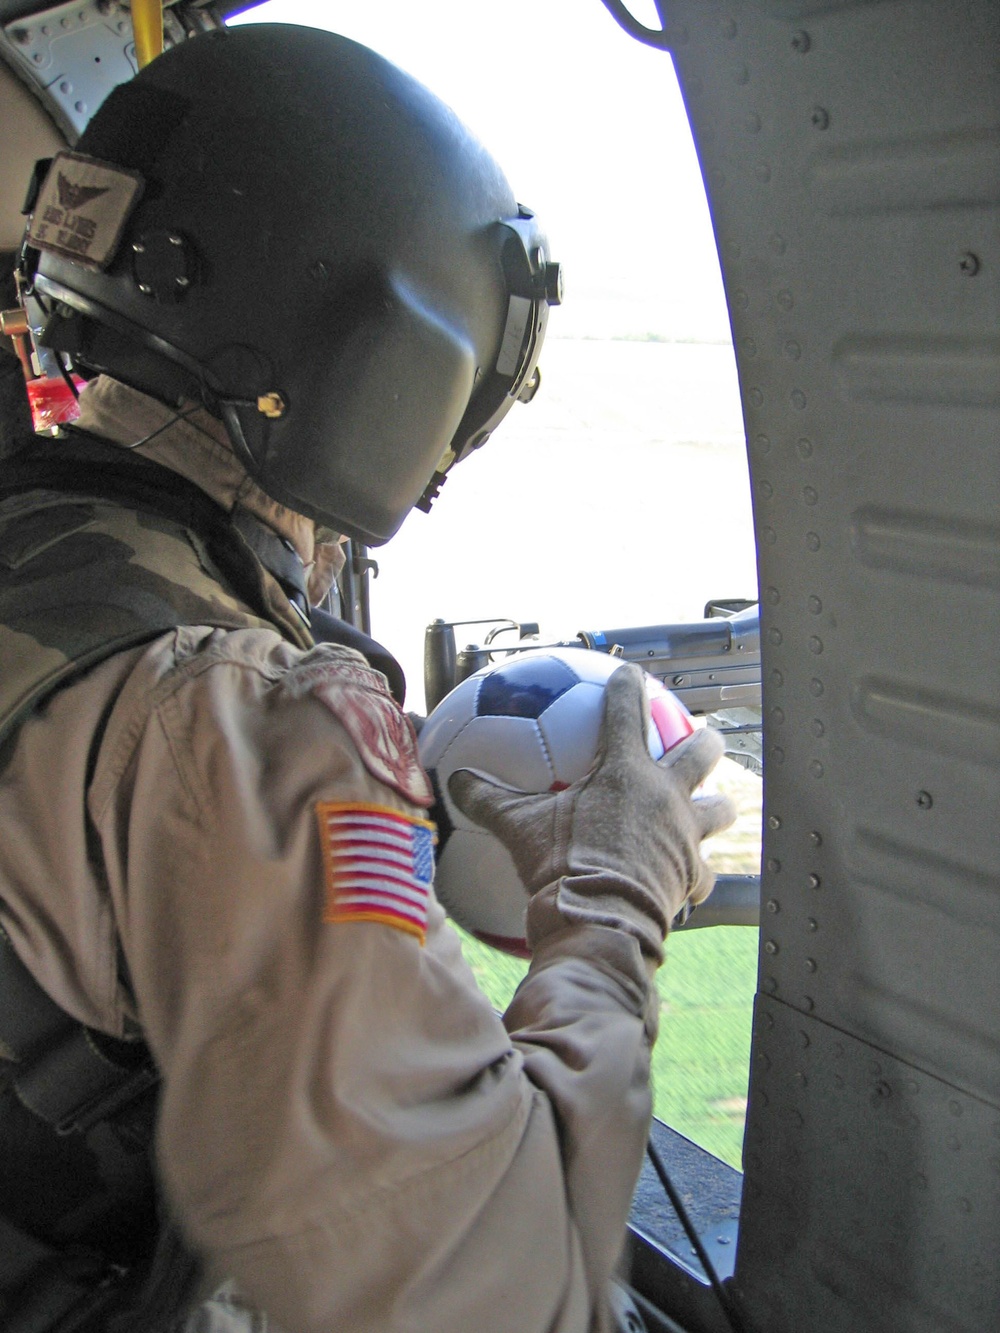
621, 847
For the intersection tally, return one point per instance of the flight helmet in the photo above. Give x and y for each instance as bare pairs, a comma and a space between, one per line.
280, 224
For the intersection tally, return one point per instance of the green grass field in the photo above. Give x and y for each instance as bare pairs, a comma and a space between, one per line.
706, 986
702, 1056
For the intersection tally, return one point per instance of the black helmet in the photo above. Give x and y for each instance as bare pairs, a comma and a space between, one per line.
281, 224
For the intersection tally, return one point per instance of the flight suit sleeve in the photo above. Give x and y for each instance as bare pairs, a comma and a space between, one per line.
347, 1128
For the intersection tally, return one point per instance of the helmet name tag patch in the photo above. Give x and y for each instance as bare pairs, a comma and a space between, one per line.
82, 209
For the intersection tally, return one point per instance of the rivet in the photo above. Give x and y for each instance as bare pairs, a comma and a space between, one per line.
777, 679
810, 496
756, 398
773, 906
808, 1003
955, 1108
925, 800
774, 822
801, 1079
182, 281
820, 118
815, 687
774, 636
772, 596
740, 298
770, 947
145, 288
779, 245
801, 42
816, 727
816, 768
969, 264
816, 838
763, 443
777, 755
138, 248
798, 399
811, 965
749, 347
766, 489
814, 881
804, 1040
770, 984
774, 865
815, 644
777, 716
174, 239
769, 535
812, 925
812, 541
793, 351
815, 605
763, 173
679, 680
795, 1118
804, 448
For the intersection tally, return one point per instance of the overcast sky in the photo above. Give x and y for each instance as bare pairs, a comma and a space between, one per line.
590, 128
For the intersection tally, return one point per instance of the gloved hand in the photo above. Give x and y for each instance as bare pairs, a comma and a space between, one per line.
621, 847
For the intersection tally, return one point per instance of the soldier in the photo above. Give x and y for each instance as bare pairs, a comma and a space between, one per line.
301, 292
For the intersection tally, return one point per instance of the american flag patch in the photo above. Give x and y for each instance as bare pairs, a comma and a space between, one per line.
379, 865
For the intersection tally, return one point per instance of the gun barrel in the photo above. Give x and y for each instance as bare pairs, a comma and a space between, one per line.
734, 901
710, 664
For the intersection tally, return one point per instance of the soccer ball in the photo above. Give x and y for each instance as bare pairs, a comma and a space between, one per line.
530, 721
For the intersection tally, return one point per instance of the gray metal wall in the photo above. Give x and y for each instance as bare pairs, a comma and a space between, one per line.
852, 159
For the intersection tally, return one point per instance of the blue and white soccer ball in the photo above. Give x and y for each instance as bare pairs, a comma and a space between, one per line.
530, 721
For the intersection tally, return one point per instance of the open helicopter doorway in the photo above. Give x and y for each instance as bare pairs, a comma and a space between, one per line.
621, 495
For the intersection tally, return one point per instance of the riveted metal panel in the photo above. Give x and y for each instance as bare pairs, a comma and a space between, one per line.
852, 159
866, 1175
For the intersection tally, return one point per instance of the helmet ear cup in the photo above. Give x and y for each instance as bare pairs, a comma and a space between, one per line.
399, 379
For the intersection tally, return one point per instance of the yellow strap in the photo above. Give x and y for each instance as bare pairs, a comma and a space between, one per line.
147, 25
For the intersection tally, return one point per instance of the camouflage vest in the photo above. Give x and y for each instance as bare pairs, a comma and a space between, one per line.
101, 550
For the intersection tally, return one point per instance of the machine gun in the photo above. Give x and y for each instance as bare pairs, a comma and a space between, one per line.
712, 665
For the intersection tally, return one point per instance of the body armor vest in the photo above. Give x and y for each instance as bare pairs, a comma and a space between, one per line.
82, 576
101, 551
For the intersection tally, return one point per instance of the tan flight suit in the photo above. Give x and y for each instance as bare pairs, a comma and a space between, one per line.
348, 1132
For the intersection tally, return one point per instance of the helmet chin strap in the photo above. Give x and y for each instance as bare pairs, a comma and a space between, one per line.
277, 556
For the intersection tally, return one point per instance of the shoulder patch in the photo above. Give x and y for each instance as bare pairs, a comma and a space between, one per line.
82, 209
358, 698
378, 865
